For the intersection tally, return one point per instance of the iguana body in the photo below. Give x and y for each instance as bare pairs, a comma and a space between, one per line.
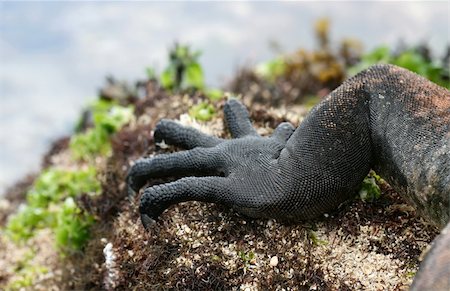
385, 118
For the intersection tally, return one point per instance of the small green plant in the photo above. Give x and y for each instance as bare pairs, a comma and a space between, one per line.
202, 111
184, 70
410, 274
22, 225
108, 118
272, 69
55, 185
415, 62
248, 258
312, 235
72, 226
50, 204
311, 229
410, 59
370, 191
214, 94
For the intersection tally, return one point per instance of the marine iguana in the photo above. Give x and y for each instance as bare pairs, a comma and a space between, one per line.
385, 118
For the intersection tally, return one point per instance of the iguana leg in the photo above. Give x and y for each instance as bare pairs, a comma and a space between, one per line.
385, 118
157, 198
238, 120
185, 137
198, 161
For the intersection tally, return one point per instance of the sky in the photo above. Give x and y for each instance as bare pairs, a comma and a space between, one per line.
54, 56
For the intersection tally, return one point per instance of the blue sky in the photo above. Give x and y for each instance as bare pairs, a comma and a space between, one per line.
55, 55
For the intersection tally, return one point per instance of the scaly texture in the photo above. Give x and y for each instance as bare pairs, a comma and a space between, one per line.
385, 118
435, 270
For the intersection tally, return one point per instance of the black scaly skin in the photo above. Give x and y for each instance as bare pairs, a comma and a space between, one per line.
385, 118
434, 271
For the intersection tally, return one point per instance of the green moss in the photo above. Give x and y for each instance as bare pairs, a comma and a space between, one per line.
202, 111
22, 225
108, 118
50, 204
370, 191
183, 70
54, 185
215, 258
72, 226
312, 235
